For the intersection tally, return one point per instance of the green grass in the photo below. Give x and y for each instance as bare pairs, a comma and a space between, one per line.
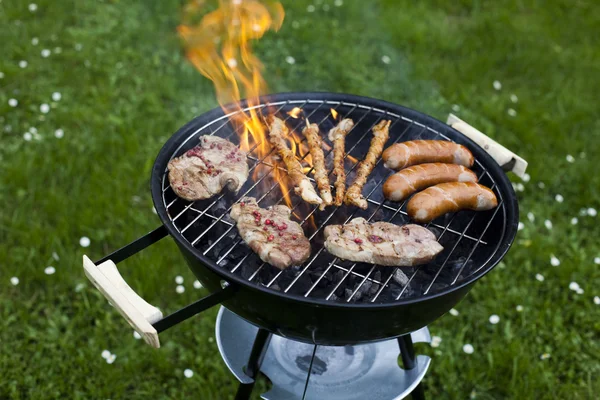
126, 87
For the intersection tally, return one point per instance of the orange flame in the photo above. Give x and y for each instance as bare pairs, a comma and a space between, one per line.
219, 46
295, 112
334, 113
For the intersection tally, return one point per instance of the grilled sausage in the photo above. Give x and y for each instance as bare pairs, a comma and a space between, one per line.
440, 199
402, 155
418, 177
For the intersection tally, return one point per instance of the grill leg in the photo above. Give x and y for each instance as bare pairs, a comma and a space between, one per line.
407, 353
259, 349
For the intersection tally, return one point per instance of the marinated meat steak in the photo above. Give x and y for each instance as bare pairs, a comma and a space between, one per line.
382, 243
206, 169
270, 233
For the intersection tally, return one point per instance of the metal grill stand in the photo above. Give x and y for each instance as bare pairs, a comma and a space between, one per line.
304, 371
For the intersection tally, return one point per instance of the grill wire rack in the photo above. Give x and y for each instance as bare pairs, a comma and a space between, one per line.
466, 236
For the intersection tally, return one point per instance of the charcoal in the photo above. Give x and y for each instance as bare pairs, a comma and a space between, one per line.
400, 277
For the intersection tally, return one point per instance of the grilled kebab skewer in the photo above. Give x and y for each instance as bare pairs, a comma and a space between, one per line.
302, 186
338, 136
381, 133
311, 132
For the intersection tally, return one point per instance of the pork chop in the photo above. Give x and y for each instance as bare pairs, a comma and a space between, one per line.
382, 243
270, 233
206, 169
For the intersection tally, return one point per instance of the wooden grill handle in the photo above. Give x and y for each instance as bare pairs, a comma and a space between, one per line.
508, 160
139, 313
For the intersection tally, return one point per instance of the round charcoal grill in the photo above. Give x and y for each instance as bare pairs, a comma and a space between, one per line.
327, 300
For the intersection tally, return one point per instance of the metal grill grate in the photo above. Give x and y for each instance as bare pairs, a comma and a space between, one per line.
468, 242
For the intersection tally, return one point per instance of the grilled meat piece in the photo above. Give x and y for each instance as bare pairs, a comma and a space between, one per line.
354, 197
313, 137
206, 169
338, 136
382, 243
412, 179
278, 131
270, 233
440, 199
402, 155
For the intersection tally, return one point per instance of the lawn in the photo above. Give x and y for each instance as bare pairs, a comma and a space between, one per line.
89, 92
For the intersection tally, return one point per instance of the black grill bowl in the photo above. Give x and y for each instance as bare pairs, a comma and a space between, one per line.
474, 242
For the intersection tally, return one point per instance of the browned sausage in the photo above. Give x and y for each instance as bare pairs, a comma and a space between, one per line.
402, 155
418, 177
440, 199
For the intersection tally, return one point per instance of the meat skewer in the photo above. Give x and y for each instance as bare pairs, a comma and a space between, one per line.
311, 132
381, 133
338, 136
302, 186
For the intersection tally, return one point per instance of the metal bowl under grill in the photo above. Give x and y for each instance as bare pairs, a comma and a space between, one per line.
327, 300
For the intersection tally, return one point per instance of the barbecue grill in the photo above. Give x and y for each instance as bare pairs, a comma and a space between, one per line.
326, 301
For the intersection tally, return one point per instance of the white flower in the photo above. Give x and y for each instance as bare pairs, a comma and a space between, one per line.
541, 185
13, 102
179, 279
519, 187
514, 98
35, 41
454, 312
574, 221
435, 341
597, 260
559, 198
27, 136
494, 319
570, 158
45, 108
180, 289
59, 133
45, 53
455, 107
386, 59
497, 85
468, 348
79, 287
188, 373
592, 212
539, 277
23, 64
310, 8
338, 3
33, 7
136, 335
14, 281
526, 177
583, 212
530, 216
579, 291
512, 112
521, 225
555, 262
33, 130
596, 300
111, 359
548, 224
290, 60
519, 308
84, 241
49, 270
197, 285
105, 354
545, 356
211, 339
574, 286
56, 96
